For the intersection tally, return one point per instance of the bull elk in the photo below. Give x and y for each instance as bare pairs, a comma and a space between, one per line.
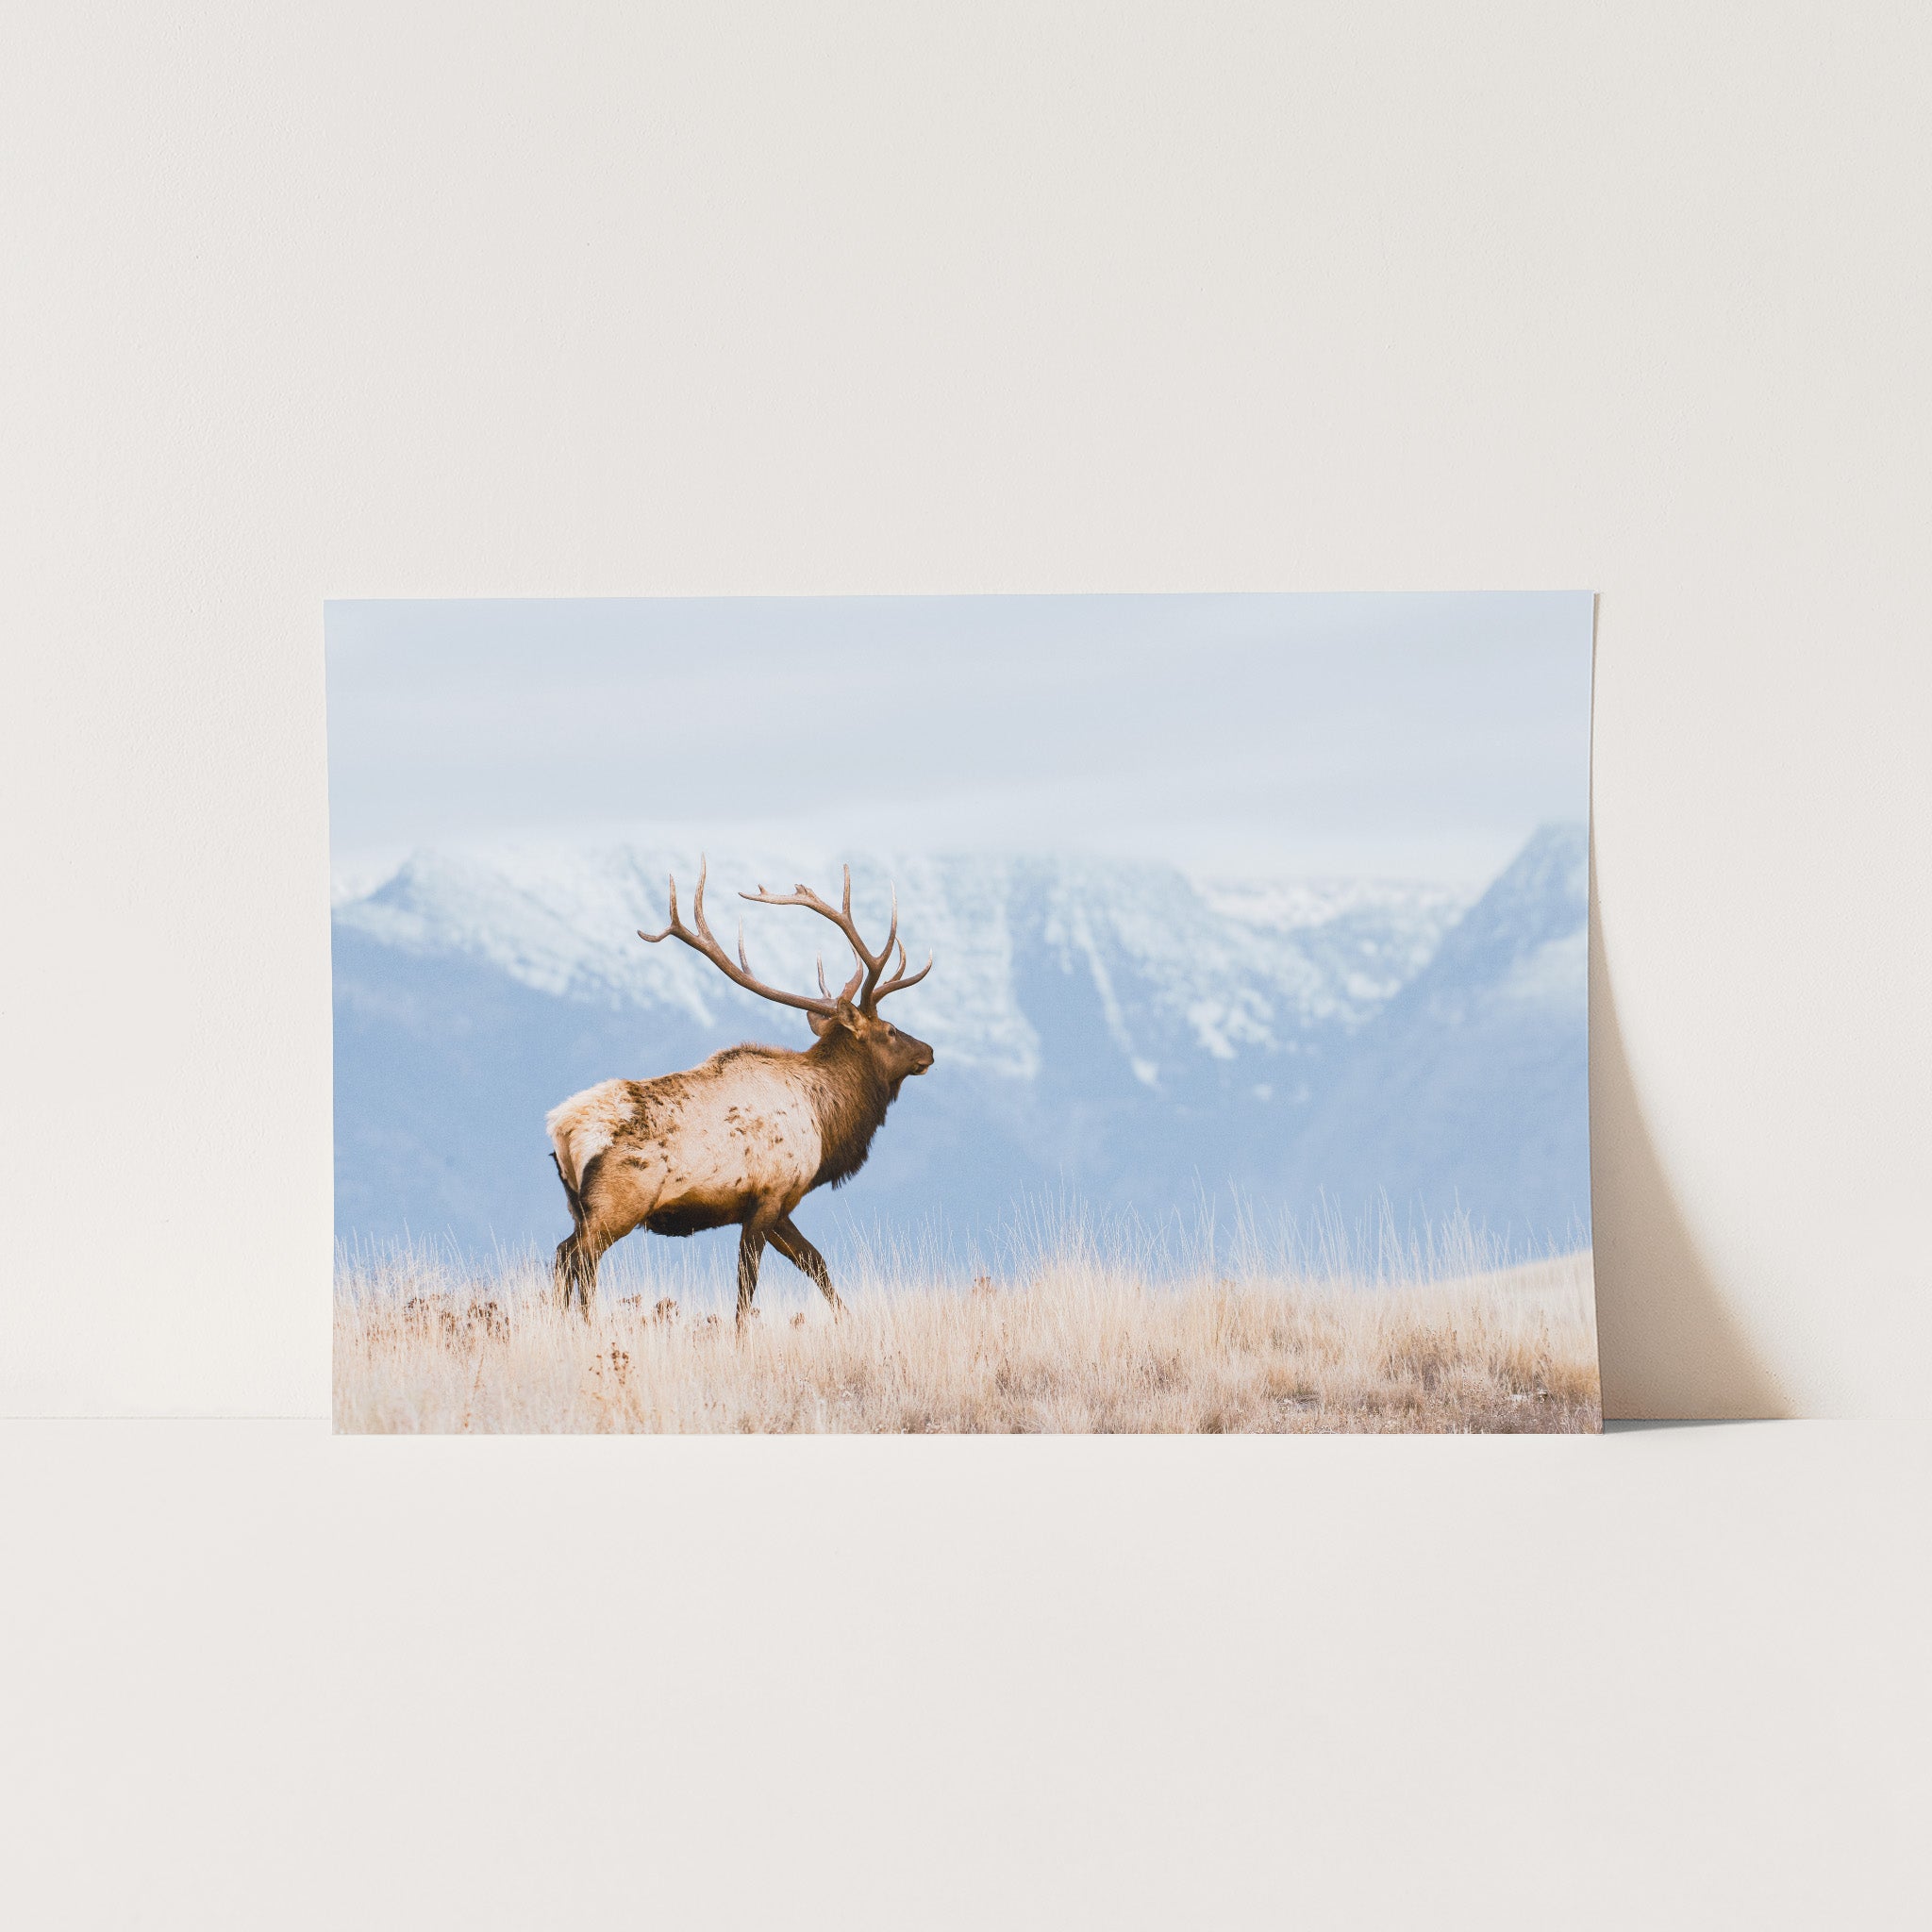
745, 1136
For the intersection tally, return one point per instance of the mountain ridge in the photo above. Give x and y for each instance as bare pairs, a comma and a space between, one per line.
1126, 1031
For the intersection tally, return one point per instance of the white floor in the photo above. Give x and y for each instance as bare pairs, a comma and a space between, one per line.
255, 1675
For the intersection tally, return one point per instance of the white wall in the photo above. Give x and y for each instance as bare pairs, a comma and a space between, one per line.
593, 301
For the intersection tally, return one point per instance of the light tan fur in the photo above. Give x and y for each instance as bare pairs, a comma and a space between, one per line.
736, 1125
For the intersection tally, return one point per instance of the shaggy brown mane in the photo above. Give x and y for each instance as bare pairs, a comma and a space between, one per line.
849, 1097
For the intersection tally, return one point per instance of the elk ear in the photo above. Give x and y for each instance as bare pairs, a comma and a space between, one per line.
819, 1023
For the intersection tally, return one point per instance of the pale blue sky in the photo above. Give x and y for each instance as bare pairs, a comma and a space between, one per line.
1424, 735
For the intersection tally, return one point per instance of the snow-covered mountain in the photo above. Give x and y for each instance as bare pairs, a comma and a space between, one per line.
1120, 1031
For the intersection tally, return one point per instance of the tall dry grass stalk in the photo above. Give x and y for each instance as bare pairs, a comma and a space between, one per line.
1079, 1343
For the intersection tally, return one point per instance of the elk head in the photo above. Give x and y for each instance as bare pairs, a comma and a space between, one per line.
853, 1012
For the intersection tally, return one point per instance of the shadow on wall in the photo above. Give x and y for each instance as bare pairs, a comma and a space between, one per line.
1669, 1345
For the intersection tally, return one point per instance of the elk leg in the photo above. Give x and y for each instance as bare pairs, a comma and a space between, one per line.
564, 1271
576, 1275
577, 1268
567, 1270
807, 1259
751, 1246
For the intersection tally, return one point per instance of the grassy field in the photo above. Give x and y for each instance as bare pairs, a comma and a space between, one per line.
1078, 1343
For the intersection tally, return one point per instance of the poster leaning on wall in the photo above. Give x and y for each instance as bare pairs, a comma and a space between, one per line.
1079, 1013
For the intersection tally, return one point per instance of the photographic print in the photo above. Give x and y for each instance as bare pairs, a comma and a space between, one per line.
977, 1013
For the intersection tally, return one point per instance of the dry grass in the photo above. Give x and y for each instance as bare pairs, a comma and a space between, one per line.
1078, 1344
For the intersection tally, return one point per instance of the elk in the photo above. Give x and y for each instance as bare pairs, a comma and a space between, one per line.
745, 1136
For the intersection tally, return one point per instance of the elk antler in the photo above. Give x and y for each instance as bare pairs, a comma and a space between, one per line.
703, 941
872, 964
